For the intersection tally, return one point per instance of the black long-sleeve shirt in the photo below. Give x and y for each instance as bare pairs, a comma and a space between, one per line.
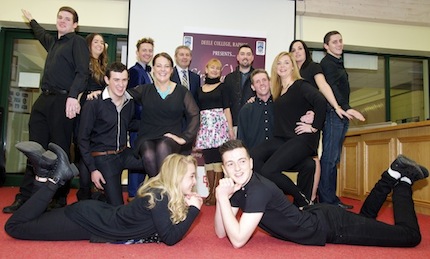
67, 63
256, 122
131, 221
289, 107
103, 127
240, 92
160, 116
337, 78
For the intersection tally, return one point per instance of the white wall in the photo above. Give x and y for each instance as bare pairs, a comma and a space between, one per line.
392, 38
94, 15
166, 21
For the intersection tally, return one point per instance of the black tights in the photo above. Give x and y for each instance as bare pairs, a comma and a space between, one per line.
154, 151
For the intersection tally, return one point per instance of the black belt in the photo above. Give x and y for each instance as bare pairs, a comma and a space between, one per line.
54, 91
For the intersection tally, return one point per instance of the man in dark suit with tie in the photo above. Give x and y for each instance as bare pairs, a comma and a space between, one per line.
140, 74
182, 74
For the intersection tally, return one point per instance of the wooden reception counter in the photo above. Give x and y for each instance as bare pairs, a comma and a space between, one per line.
368, 151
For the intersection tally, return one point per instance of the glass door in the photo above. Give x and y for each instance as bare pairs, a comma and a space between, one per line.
26, 69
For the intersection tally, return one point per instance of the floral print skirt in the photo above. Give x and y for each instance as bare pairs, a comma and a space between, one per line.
213, 130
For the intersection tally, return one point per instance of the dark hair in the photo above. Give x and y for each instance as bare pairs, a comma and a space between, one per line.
231, 145
307, 52
328, 35
70, 10
115, 67
97, 65
144, 40
258, 71
245, 46
162, 54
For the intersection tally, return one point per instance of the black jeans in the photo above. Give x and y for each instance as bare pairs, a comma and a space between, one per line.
277, 155
363, 229
32, 222
48, 123
111, 167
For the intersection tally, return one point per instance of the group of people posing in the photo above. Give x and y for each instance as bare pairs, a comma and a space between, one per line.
251, 128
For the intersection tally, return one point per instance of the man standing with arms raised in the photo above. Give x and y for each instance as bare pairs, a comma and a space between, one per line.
64, 77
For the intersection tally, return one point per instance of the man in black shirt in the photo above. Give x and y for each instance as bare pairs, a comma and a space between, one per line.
335, 127
238, 82
255, 123
64, 77
103, 132
264, 205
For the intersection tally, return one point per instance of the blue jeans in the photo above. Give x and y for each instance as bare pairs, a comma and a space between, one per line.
334, 132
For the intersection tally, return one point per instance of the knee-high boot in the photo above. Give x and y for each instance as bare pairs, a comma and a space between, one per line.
210, 177
218, 176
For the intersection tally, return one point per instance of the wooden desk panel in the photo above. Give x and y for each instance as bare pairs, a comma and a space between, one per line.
368, 152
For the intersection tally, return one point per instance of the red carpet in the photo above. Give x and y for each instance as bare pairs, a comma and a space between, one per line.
201, 242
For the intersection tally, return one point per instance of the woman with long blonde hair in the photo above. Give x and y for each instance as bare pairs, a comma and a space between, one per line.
164, 210
296, 136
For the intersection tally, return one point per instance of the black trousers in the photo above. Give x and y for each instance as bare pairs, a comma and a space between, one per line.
277, 155
48, 123
363, 229
111, 167
32, 222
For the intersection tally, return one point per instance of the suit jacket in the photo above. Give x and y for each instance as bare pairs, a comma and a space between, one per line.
194, 81
138, 75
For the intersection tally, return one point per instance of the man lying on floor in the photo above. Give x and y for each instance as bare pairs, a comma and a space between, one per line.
263, 204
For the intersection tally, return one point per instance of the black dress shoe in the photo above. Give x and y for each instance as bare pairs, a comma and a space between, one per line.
345, 206
14, 206
409, 168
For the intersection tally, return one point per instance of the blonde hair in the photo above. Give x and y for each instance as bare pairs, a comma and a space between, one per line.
276, 81
168, 181
214, 61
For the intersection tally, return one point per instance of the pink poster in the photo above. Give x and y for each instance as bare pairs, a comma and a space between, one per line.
224, 48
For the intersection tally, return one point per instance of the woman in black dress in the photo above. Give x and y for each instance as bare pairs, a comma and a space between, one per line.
164, 104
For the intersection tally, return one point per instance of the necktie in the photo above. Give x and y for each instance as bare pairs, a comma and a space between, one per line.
185, 79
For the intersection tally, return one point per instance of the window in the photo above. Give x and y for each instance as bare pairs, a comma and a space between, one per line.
406, 90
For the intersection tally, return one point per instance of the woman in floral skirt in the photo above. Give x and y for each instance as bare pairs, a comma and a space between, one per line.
216, 126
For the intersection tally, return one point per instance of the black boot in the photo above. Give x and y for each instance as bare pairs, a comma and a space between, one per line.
14, 206
63, 170
43, 161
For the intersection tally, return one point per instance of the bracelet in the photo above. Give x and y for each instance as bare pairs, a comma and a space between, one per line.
337, 108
